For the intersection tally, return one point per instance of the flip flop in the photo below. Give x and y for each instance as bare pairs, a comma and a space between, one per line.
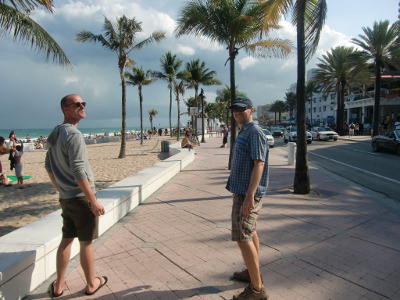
51, 291
100, 285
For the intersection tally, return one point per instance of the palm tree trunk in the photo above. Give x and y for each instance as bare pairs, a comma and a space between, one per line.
141, 114
170, 109
196, 94
377, 98
179, 117
341, 115
301, 178
123, 125
232, 56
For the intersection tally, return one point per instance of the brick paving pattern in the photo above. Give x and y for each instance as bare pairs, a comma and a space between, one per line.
339, 242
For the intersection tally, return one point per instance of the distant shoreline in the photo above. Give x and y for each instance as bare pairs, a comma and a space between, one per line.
36, 133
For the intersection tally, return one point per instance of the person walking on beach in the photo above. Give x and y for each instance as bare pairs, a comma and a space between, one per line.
69, 170
248, 181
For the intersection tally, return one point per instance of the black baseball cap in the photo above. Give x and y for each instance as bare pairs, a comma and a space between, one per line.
242, 102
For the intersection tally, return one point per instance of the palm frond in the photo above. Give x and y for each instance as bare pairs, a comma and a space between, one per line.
26, 6
270, 48
156, 36
27, 31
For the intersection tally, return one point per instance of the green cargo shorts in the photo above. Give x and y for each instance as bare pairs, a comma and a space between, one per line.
78, 219
243, 228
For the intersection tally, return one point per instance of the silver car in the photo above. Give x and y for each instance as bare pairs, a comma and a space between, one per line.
324, 134
290, 135
270, 138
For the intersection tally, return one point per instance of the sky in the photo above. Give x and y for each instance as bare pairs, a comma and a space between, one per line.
31, 87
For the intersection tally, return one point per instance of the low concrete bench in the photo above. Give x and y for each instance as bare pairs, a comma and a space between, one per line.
28, 254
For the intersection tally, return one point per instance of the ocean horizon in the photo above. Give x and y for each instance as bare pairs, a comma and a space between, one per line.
35, 133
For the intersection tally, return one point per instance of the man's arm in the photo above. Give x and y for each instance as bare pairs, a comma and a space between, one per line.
255, 178
96, 207
4, 150
53, 181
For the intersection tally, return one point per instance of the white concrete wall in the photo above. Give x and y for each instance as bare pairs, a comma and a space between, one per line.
28, 254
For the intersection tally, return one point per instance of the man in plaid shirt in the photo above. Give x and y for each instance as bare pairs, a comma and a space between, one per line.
248, 181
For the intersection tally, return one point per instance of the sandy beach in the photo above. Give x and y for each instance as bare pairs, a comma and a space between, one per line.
19, 207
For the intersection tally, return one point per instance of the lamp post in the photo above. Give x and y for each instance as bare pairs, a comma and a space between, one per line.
202, 116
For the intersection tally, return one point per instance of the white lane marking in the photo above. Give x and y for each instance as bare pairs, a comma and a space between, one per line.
368, 152
355, 168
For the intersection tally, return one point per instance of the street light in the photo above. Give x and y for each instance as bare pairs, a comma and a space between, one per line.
202, 116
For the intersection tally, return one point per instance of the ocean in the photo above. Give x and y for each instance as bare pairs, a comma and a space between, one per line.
35, 133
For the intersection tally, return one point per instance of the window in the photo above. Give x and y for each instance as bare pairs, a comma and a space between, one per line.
324, 108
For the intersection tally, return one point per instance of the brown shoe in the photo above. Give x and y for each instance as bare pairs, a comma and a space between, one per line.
244, 276
250, 294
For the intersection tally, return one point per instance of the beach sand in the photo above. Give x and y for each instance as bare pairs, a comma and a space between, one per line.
19, 207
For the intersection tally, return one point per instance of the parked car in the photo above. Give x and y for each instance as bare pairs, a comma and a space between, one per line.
290, 135
324, 133
270, 138
276, 131
389, 142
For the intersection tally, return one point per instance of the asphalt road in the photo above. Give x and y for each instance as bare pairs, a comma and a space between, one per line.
354, 160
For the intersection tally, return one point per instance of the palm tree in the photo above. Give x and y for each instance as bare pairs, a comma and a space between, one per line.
311, 87
290, 99
140, 78
224, 99
170, 65
381, 46
308, 16
335, 71
179, 89
152, 113
197, 74
120, 38
278, 106
14, 19
235, 24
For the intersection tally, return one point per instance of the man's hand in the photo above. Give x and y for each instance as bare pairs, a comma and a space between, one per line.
248, 205
97, 208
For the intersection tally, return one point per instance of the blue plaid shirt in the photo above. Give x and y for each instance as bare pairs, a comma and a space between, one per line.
251, 144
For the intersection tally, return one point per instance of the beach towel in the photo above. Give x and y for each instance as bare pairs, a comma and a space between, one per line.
15, 178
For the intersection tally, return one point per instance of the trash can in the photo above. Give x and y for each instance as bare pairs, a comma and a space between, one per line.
291, 153
165, 146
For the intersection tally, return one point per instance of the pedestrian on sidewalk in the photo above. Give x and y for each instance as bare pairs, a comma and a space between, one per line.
69, 170
248, 181
224, 136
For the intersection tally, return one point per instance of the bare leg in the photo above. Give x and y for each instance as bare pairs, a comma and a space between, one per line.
250, 256
87, 263
63, 256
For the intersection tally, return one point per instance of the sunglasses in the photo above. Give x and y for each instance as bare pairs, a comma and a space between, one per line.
77, 104
238, 109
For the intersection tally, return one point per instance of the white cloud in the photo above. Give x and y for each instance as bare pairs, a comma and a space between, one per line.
247, 62
186, 50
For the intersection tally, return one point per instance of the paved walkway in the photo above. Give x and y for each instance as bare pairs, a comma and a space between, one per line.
339, 242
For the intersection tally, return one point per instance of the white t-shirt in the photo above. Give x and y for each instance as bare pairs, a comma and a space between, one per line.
18, 153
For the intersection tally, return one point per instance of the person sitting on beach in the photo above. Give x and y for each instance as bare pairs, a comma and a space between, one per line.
3, 150
18, 164
39, 145
186, 143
